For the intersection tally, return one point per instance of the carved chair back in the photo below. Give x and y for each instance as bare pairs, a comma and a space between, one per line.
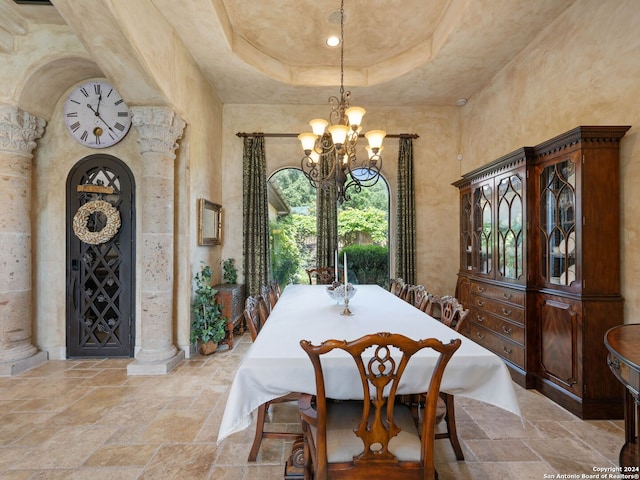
323, 275
270, 296
398, 288
252, 316
384, 441
418, 296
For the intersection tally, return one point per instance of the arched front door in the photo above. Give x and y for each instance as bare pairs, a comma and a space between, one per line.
100, 258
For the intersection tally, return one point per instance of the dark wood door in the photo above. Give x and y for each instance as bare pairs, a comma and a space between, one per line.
100, 258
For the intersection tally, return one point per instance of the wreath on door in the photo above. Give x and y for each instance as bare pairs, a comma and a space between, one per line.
82, 216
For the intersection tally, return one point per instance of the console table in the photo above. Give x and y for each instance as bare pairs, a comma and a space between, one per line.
623, 343
231, 297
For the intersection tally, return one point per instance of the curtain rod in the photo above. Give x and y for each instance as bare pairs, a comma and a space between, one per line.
281, 135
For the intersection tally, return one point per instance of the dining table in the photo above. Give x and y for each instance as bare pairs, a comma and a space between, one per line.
275, 364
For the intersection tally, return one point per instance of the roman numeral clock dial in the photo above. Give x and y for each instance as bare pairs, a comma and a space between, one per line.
95, 114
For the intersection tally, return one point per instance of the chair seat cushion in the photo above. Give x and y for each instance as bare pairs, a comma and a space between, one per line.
343, 444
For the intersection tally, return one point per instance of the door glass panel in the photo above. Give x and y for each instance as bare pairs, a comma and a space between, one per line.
465, 232
557, 223
510, 231
482, 213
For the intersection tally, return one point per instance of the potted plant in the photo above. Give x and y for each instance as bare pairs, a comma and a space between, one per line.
229, 271
207, 329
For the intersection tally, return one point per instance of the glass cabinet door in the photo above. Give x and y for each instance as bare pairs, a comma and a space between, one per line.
465, 232
558, 223
482, 225
510, 231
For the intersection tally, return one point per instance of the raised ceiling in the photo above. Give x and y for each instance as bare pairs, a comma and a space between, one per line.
414, 52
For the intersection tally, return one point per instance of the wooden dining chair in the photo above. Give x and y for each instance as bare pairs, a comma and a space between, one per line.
433, 305
418, 296
323, 275
450, 312
275, 286
270, 296
398, 287
255, 317
375, 437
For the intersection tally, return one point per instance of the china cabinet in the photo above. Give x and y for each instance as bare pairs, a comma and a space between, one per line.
492, 279
540, 265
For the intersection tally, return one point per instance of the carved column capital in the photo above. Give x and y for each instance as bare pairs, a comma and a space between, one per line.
19, 130
159, 129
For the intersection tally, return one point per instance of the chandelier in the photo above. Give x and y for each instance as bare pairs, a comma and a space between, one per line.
330, 148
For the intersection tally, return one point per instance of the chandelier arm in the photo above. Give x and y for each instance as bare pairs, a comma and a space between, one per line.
313, 168
313, 172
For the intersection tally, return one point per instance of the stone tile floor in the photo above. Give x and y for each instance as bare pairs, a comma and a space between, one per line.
86, 419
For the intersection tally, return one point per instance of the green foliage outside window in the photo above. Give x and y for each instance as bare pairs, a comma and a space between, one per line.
370, 220
285, 254
362, 222
367, 264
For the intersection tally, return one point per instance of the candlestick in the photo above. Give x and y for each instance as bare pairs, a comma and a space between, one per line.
345, 274
335, 266
346, 312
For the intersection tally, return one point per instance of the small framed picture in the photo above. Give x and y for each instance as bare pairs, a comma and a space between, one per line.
209, 223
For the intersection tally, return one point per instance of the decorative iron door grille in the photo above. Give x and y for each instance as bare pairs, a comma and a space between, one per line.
100, 258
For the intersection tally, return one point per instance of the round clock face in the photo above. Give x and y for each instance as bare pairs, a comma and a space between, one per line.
95, 115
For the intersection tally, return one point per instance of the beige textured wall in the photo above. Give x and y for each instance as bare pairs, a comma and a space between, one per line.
582, 70
38, 58
435, 164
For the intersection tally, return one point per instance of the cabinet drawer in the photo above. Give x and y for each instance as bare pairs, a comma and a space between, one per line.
503, 294
500, 346
501, 309
502, 327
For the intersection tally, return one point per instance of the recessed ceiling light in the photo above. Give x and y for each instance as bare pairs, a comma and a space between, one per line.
333, 41
462, 102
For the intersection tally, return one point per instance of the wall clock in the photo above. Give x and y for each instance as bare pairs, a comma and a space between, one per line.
95, 114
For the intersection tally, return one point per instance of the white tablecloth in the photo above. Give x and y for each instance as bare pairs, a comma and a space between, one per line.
276, 364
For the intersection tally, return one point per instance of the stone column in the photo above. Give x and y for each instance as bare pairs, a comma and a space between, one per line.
159, 128
18, 133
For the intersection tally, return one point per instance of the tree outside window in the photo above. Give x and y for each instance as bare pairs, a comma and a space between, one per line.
363, 229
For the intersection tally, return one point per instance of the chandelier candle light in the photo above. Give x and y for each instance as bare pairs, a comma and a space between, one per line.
330, 149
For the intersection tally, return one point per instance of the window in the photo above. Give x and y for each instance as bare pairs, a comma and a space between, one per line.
363, 227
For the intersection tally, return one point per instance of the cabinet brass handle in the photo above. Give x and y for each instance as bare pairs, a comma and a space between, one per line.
506, 350
506, 330
507, 296
480, 318
506, 312
480, 303
480, 289
480, 335
615, 363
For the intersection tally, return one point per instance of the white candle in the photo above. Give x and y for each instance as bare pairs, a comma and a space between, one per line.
335, 266
345, 274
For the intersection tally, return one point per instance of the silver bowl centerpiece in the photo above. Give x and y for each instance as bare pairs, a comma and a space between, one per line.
336, 292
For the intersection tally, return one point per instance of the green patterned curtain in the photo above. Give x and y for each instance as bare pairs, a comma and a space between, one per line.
406, 215
255, 228
326, 218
